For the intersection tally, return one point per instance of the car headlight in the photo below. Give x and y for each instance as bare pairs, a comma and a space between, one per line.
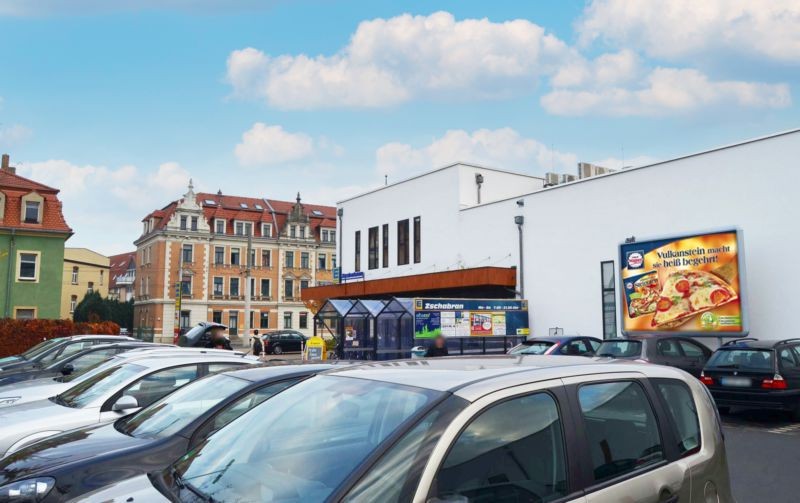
26, 491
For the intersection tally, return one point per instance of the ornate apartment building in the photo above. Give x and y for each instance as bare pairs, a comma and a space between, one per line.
196, 249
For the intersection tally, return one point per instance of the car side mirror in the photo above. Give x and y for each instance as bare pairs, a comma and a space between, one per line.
67, 369
125, 402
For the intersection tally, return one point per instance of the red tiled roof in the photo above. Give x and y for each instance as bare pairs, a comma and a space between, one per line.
13, 180
119, 265
16, 187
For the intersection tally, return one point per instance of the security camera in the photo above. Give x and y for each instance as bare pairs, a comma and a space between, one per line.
520, 202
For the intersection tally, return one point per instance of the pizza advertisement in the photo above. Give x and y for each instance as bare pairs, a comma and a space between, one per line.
689, 285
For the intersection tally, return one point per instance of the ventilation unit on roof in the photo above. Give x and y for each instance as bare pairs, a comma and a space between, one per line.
317, 213
568, 178
551, 179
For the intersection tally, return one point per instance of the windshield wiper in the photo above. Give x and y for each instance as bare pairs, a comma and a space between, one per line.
182, 484
59, 400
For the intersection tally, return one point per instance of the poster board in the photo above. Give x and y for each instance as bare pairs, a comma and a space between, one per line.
470, 318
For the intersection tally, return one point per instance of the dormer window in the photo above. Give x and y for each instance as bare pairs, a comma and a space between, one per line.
266, 230
302, 232
184, 219
292, 231
33, 210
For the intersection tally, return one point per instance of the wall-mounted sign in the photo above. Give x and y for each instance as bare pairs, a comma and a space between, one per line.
688, 284
470, 318
351, 276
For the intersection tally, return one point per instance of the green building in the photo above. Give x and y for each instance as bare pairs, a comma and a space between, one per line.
32, 236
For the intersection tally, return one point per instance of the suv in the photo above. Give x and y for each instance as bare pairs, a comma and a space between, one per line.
575, 345
682, 352
283, 341
504, 428
755, 374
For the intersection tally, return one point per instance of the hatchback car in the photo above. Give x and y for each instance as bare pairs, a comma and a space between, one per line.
753, 374
52, 350
283, 341
106, 396
574, 345
502, 428
88, 458
681, 352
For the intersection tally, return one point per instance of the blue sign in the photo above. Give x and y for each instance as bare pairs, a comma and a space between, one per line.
351, 276
337, 271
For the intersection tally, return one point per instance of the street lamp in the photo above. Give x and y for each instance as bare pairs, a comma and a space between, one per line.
520, 220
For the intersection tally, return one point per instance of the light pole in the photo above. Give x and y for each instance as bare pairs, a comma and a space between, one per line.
340, 213
520, 220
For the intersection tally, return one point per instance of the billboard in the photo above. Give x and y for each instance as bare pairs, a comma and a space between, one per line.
470, 318
689, 285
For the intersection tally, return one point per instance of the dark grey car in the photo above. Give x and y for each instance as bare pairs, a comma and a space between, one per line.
52, 350
682, 352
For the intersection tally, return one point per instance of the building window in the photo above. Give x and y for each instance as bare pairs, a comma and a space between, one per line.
32, 212
101, 278
219, 255
303, 284
322, 261
324, 236
243, 228
216, 317
385, 245
264, 321
73, 303
75, 275
194, 223
218, 288
292, 231
302, 232
358, 252
609, 296
25, 313
289, 259
333, 261
304, 260
28, 266
219, 226
266, 291
266, 230
288, 289
402, 242
332, 236
303, 322
417, 240
372, 248
187, 254
183, 222
234, 256
186, 286
287, 320
186, 319
234, 288
266, 258
90, 287
233, 323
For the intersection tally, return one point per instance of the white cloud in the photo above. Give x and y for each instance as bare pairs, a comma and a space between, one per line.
77, 7
264, 145
666, 91
14, 135
684, 28
390, 61
503, 148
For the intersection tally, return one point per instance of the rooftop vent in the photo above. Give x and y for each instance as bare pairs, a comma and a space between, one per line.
551, 179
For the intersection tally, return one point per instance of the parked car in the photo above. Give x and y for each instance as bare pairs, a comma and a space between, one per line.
74, 363
682, 352
106, 396
198, 336
501, 428
575, 345
754, 374
53, 350
38, 389
283, 341
86, 459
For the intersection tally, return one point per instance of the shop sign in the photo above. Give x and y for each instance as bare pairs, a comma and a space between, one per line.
470, 318
689, 285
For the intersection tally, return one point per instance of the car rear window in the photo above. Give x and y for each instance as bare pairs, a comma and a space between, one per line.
743, 359
534, 348
620, 349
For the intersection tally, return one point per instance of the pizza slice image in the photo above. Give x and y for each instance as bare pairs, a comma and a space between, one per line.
688, 293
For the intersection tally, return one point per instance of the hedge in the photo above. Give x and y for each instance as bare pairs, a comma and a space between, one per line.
17, 336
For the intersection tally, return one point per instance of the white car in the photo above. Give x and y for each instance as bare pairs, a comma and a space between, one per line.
109, 394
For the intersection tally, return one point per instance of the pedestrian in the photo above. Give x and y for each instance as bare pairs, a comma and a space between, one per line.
439, 347
218, 340
258, 348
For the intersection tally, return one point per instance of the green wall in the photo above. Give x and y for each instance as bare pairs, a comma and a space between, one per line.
44, 294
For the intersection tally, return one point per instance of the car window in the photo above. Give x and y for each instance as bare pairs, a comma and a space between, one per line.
692, 350
787, 358
757, 360
89, 360
682, 410
154, 386
98, 385
620, 427
594, 344
220, 367
796, 352
534, 348
668, 348
573, 348
67, 350
499, 457
620, 349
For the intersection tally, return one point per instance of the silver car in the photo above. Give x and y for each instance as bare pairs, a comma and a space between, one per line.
531, 428
109, 394
38, 389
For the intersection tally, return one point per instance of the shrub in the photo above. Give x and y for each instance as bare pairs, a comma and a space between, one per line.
17, 336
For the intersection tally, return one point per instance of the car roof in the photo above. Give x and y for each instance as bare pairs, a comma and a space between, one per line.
176, 359
560, 338
757, 344
99, 336
472, 377
269, 370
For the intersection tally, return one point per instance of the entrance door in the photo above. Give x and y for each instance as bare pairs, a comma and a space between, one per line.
233, 323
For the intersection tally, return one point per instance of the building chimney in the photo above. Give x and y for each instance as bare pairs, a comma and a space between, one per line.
5, 166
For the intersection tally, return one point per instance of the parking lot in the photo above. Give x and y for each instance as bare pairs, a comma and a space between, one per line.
763, 455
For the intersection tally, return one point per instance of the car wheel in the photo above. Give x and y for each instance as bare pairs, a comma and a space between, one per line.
724, 410
277, 350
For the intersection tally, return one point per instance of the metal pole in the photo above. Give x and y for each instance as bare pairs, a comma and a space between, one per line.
10, 271
519, 220
247, 292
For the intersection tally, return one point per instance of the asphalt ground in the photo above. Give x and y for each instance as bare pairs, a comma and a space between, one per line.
763, 456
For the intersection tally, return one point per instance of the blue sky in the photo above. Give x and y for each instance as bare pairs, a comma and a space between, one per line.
118, 103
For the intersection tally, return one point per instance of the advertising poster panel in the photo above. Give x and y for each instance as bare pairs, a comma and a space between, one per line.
470, 318
691, 285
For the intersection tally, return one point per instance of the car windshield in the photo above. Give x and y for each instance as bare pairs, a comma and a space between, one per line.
620, 349
268, 454
79, 375
34, 351
742, 359
168, 415
98, 385
534, 348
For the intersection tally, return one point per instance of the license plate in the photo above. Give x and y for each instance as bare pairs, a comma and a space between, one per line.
736, 381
